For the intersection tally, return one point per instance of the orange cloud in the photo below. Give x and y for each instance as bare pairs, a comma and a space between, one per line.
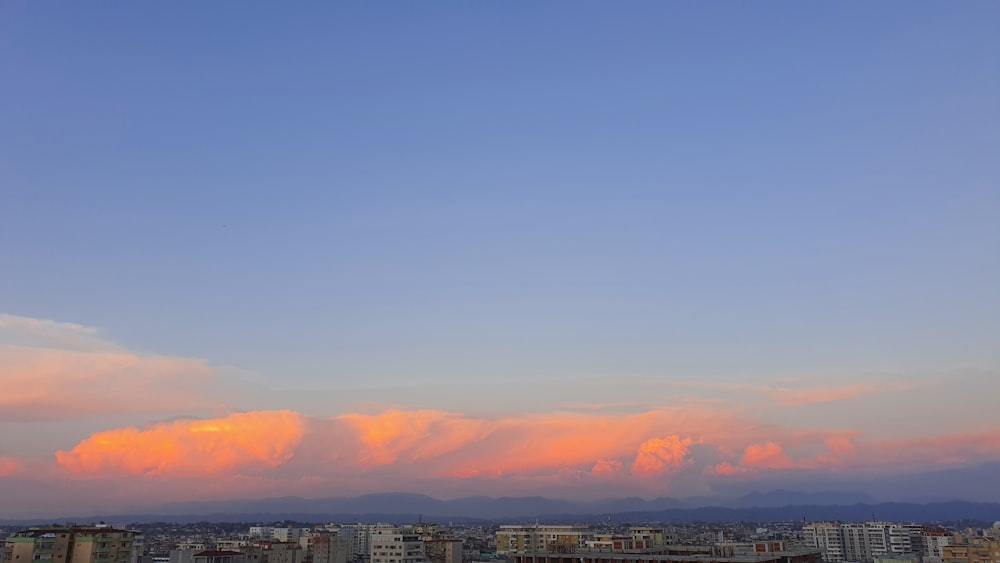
9, 466
726, 468
411, 435
544, 443
768, 455
608, 467
263, 439
659, 455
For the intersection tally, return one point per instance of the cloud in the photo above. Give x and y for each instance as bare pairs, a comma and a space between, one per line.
9, 466
768, 455
797, 397
247, 441
51, 370
44, 333
658, 455
608, 467
949, 449
397, 435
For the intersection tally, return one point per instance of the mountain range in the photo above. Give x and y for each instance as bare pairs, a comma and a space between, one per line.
777, 505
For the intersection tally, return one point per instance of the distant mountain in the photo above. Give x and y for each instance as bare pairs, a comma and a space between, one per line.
477, 507
779, 498
377, 503
405, 507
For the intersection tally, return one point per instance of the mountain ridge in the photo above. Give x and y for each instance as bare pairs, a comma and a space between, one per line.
397, 508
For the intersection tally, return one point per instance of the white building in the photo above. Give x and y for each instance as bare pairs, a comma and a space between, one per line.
863, 541
393, 546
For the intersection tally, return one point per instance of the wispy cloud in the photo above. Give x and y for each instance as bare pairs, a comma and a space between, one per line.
51, 370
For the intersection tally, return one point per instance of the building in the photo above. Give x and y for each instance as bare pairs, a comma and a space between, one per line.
675, 554
273, 552
975, 550
865, 541
443, 550
289, 534
827, 537
933, 542
362, 534
513, 540
73, 544
330, 547
394, 546
644, 537
219, 556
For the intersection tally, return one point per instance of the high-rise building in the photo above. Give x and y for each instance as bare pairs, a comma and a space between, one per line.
863, 541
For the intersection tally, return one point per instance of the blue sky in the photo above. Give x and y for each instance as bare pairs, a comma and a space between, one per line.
341, 196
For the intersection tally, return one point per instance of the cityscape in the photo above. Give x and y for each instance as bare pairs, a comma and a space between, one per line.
283, 542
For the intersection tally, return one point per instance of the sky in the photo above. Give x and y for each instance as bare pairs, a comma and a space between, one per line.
570, 249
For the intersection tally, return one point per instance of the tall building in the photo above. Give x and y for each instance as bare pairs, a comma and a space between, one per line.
330, 547
74, 544
862, 541
827, 537
362, 534
933, 542
395, 546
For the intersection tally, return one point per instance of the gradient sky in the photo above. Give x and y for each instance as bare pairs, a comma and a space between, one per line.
577, 249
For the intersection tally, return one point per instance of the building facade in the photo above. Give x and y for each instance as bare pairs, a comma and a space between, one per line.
395, 546
74, 544
513, 540
975, 550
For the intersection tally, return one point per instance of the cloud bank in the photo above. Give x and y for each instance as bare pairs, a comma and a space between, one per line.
732, 432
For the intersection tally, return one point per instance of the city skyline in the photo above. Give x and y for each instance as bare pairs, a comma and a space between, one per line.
572, 250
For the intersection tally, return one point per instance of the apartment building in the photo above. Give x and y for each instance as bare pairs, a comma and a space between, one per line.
933, 542
361, 534
74, 544
863, 541
444, 550
827, 537
396, 546
513, 540
975, 550
330, 548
